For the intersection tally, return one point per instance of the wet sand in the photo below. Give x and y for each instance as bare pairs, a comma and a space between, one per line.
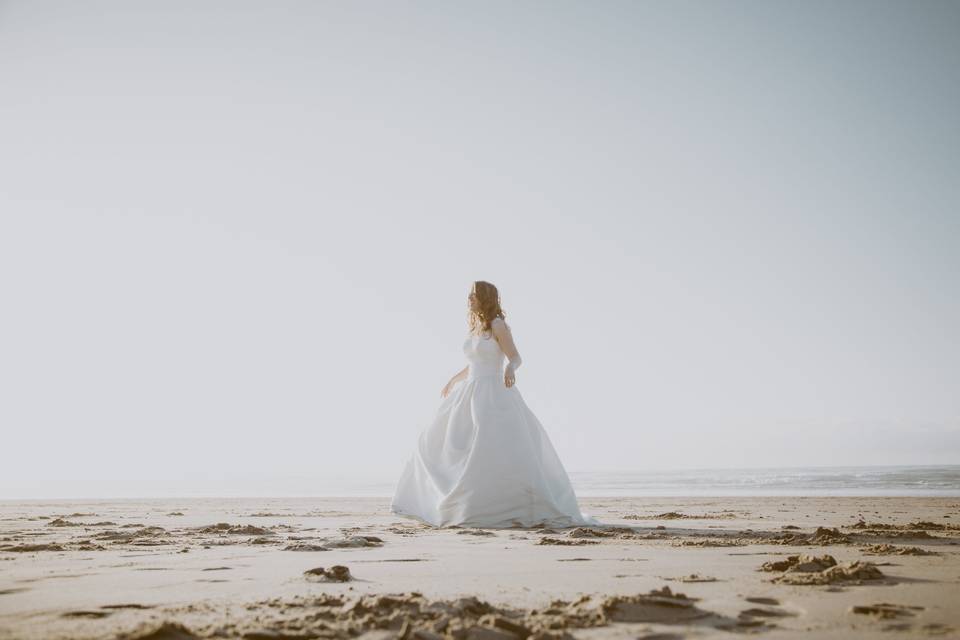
664, 568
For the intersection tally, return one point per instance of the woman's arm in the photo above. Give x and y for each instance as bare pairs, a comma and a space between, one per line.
460, 375
505, 338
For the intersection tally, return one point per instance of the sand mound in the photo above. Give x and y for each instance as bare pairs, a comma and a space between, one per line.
812, 570
88, 545
235, 530
711, 542
60, 522
352, 542
565, 542
676, 515
138, 535
30, 548
920, 525
305, 546
821, 536
856, 572
166, 631
824, 535
336, 573
800, 564
411, 616
693, 577
893, 550
917, 529
410, 529
593, 532
475, 532
890, 533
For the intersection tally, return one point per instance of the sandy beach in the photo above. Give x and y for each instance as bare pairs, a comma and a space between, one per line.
825, 567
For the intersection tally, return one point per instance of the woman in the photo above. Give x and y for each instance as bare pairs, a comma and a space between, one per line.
485, 461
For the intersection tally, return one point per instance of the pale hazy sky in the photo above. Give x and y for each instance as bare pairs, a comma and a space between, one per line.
236, 237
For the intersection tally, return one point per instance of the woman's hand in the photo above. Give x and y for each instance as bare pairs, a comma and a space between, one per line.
509, 377
460, 375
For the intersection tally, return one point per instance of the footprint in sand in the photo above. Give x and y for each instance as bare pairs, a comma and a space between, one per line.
764, 613
85, 614
886, 610
757, 614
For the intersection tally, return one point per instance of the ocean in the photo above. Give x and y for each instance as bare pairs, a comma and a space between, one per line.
916, 480
941, 480
799, 481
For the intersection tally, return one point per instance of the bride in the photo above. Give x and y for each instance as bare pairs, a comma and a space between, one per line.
485, 460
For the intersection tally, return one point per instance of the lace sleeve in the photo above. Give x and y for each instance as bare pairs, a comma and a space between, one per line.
505, 338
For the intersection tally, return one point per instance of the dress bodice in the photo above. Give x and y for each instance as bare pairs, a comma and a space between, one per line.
484, 356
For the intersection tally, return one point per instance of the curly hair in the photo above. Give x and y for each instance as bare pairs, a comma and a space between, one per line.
488, 307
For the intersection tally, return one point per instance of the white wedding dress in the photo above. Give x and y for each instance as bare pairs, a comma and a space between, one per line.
485, 460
